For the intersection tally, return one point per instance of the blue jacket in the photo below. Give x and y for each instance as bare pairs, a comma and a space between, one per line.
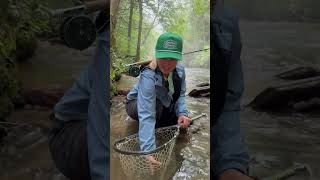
146, 91
228, 148
88, 99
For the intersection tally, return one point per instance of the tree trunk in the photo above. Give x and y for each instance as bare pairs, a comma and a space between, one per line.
139, 31
130, 27
156, 12
149, 30
114, 13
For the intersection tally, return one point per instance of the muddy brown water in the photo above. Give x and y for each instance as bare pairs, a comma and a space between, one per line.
276, 141
52, 66
190, 159
34, 161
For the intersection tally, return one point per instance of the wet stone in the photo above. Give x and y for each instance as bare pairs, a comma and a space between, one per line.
194, 129
28, 107
12, 150
28, 139
203, 84
59, 177
26, 170
19, 156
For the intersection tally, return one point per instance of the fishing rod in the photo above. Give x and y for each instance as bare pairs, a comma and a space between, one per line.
147, 62
196, 51
134, 69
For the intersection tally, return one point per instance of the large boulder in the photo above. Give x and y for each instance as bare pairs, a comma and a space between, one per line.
284, 96
200, 92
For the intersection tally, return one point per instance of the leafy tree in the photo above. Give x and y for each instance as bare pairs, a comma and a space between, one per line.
134, 40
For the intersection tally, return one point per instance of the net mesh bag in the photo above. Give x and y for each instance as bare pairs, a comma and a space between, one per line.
134, 161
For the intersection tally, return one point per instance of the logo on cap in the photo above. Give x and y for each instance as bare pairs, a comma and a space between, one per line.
170, 44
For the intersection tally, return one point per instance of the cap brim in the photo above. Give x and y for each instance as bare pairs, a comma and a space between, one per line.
165, 54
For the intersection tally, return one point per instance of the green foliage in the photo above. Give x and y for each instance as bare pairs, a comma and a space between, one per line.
200, 6
21, 23
26, 44
116, 69
197, 36
8, 82
189, 18
202, 59
34, 20
34, 16
8, 42
8, 86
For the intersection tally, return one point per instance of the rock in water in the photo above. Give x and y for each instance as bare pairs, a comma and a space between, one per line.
299, 73
193, 129
203, 84
200, 92
283, 96
29, 139
314, 103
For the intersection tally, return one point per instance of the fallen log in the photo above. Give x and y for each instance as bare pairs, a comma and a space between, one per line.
200, 92
299, 73
284, 95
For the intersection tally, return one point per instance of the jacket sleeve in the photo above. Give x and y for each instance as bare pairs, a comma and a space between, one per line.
146, 103
229, 150
228, 146
98, 125
74, 103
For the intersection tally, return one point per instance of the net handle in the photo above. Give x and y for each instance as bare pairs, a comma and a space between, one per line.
193, 119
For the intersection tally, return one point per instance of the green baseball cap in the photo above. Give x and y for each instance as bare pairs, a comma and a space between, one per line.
169, 45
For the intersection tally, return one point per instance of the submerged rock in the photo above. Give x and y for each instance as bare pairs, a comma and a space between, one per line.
203, 84
302, 106
284, 96
29, 139
194, 129
299, 73
200, 92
